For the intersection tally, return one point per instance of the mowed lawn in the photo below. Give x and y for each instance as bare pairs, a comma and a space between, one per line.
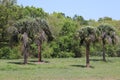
61, 69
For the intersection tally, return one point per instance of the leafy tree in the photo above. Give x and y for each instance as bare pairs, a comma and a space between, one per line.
66, 36
3, 21
87, 35
104, 19
107, 35
9, 13
56, 21
68, 28
34, 12
80, 20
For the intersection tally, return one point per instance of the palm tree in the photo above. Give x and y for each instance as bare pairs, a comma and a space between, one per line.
33, 29
39, 38
108, 35
40, 32
16, 29
25, 41
23, 30
87, 36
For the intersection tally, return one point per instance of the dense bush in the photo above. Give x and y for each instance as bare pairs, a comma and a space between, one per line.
8, 53
65, 54
47, 51
118, 52
110, 51
33, 50
5, 53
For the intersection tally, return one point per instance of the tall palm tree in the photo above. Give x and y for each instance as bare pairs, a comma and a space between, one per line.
40, 35
87, 35
16, 29
39, 38
25, 41
23, 29
107, 35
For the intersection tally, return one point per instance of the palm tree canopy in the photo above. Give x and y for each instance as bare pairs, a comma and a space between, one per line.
34, 27
40, 37
107, 33
45, 27
36, 30
87, 35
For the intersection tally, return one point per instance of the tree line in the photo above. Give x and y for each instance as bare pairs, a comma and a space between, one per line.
58, 31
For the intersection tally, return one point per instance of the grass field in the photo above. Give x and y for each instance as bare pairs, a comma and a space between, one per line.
61, 69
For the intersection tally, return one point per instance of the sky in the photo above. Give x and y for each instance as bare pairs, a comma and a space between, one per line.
89, 9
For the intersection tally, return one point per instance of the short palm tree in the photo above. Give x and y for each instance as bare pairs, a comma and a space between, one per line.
87, 36
107, 35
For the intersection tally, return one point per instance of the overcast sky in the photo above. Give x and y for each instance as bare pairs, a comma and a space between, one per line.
89, 9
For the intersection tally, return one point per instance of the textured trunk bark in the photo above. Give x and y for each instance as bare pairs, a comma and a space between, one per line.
39, 53
25, 56
104, 59
25, 47
87, 55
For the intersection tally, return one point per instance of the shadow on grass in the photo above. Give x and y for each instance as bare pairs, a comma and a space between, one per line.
82, 66
21, 63
35, 61
95, 60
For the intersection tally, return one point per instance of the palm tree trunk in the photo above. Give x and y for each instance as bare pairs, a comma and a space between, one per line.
25, 56
25, 47
39, 53
104, 59
87, 55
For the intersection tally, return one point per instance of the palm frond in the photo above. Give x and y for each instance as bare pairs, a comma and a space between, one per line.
88, 34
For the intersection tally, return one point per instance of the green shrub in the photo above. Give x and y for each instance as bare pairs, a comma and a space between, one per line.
95, 50
8, 53
65, 54
33, 51
47, 50
118, 52
110, 51
15, 53
5, 53
55, 48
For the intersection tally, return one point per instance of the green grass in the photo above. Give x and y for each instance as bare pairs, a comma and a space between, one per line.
61, 69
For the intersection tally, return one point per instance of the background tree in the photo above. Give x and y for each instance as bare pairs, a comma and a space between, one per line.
9, 13
65, 41
80, 20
